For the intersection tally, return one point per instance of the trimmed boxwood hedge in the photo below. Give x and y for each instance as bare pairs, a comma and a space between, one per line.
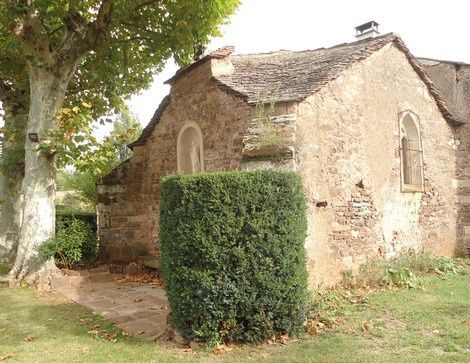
65, 216
233, 255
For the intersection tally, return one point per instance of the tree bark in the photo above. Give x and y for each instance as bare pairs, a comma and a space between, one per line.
47, 92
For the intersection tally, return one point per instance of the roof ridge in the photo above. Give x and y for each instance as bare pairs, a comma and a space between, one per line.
380, 37
444, 61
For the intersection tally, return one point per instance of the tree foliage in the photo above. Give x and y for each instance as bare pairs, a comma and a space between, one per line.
77, 50
91, 158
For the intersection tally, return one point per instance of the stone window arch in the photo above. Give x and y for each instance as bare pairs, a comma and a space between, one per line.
189, 149
411, 154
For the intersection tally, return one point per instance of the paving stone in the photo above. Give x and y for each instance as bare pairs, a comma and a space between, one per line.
145, 314
119, 319
100, 305
145, 319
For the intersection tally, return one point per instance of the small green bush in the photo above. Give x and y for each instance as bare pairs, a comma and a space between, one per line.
233, 254
75, 242
403, 270
65, 216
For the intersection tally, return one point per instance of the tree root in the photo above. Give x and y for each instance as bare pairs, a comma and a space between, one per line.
40, 279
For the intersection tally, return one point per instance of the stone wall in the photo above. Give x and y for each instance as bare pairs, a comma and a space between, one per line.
129, 197
344, 141
462, 184
453, 80
349, 159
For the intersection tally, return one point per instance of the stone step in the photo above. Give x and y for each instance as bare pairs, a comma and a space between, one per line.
151, 262
101, 277
76, 278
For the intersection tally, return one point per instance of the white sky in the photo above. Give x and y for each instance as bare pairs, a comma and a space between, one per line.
430, 28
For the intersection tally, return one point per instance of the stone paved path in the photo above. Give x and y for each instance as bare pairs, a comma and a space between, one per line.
139, 309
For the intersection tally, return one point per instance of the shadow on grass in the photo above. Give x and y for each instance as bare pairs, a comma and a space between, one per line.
25, 312
4, 269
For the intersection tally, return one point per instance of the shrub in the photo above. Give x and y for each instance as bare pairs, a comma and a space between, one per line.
233, 256
402, 270
65, 216
74, 242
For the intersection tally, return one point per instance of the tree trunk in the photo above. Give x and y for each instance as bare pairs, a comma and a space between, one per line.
39, 182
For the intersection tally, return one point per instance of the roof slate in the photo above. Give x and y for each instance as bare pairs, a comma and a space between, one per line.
147, 131
293, 76
287, 76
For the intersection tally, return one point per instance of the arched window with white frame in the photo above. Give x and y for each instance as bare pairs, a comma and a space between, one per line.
189, 149
411, 154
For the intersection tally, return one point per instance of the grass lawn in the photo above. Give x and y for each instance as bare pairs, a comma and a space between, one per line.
429, 324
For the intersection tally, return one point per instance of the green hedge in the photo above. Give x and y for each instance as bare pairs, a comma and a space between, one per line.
75, 241
65, 216
233, 254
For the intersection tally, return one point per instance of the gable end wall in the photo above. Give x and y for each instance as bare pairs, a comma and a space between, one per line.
348, 156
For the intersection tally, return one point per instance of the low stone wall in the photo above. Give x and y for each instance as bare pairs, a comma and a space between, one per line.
120, 213
462, 185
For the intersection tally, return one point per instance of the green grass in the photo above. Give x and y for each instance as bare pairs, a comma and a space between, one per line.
4, 269
431, 324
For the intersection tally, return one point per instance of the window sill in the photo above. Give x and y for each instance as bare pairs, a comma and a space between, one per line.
411, 188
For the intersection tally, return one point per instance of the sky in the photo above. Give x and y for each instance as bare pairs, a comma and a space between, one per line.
430, 28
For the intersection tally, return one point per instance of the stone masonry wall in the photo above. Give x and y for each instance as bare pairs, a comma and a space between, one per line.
120, 214
462, 183
344, 141
453, 79
349, 159
129, 202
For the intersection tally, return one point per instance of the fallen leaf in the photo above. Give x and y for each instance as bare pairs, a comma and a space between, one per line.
313, 329
221, 348
141, 332
366, 326
284, 339
8, 355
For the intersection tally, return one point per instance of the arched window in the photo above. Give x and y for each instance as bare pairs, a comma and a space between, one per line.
190, 158
412, 179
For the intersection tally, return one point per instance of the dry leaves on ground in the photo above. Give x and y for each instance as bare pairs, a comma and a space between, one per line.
8, 355
222, 348
143, 278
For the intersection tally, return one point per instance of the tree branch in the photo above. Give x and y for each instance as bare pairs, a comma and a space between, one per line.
31, 31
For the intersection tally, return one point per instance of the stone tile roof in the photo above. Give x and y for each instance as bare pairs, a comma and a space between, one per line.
217, 54
293, 76
147, 131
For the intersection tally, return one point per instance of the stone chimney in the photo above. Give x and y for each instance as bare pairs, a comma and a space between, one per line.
220, 61
367, 30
